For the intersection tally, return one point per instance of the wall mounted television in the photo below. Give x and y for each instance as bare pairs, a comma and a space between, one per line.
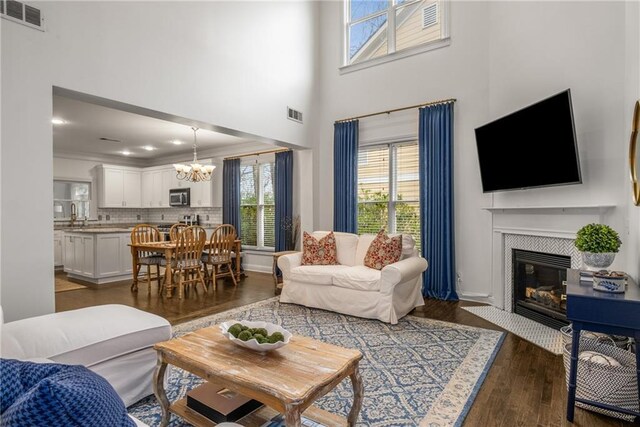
530, 148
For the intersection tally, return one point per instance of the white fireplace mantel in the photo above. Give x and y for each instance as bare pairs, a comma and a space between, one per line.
535, 228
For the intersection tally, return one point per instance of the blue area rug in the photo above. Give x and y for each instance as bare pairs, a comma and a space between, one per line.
418, 372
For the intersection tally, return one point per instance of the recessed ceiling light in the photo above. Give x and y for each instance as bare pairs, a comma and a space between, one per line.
176, 142
57, 121
149, 148
125, 153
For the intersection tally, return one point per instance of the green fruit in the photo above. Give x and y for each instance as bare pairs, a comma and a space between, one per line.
275, 337
262, 331
236, 325
260, 338
244, 328
245, 336
235, 330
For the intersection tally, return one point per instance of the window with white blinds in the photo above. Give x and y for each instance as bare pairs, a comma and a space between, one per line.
388, 189
257, 208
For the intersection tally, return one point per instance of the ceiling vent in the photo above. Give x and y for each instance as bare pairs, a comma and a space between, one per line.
430, 15
22, 14
294, 115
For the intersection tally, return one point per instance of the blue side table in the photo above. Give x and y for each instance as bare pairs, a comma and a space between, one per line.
615, 314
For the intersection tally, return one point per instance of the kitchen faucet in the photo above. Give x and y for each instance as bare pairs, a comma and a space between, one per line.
74, 214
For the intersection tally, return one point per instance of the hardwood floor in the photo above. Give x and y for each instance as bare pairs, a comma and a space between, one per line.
254, 287
524, 387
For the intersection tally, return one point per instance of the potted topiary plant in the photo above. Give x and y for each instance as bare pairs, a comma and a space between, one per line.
599, 244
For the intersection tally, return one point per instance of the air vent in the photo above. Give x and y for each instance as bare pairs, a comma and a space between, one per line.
294, 115
21, 13
110, 140
430, 15
32, 15
14, 9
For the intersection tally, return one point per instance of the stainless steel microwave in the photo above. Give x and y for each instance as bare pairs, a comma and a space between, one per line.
180, 197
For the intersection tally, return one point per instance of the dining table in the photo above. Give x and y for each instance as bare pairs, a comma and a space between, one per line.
168, 248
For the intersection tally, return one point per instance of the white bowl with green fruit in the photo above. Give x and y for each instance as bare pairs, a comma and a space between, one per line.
258, 336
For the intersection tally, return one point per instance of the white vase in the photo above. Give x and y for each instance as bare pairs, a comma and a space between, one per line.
597, 260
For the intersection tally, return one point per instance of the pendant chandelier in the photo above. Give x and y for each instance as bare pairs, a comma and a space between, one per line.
195, 172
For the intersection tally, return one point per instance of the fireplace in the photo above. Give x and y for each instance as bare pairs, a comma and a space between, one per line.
538, 290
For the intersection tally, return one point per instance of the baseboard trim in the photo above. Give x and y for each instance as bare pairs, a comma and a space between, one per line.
257, 268
476, 297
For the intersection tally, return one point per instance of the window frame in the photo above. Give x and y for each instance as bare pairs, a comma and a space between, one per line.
392, 180
444, 10
260, 206
92, 205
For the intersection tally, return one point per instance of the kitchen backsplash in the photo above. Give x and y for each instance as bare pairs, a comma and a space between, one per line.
156, 216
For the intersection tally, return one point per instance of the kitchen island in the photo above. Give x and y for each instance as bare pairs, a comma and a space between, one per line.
97, 255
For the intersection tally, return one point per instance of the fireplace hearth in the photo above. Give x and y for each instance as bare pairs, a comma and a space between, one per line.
538, 290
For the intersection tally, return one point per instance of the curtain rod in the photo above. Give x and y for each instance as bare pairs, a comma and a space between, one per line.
257, 153
441, 101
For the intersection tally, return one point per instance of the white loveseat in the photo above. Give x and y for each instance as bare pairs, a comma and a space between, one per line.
112, 340
351, 287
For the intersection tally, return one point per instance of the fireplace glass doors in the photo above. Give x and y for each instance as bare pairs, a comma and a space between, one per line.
538, 290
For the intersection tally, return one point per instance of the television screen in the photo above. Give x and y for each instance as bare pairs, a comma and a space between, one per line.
533, 147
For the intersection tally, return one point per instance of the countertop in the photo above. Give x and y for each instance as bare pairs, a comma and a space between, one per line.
109, 228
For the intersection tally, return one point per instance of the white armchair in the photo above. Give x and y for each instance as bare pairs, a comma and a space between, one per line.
351, 287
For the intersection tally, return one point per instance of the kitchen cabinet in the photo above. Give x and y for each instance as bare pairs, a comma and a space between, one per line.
78, 254
147, 189
200, 194
97, 257
119, 187
58, 252
216, 185
155, 190
126, 187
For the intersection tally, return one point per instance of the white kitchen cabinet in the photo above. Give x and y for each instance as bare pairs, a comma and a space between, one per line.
169, 181
119, 187
58, 252
97, 257
78, 254
114, 256
147, 189
216, 185
200, 194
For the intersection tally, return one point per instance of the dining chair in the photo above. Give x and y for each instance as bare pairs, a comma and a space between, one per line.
187, 264
175, 230
219, 252
145, 233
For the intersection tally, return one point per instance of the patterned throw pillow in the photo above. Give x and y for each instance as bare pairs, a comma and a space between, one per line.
54, 395
319, 252
384, 250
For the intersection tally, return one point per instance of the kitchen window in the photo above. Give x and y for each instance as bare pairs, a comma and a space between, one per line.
389, 189
381, 30
257, 208
66, 193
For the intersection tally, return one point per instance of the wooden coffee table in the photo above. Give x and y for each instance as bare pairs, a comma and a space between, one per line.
288, 379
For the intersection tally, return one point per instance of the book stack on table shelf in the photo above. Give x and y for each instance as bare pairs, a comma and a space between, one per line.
220, 404
278, 421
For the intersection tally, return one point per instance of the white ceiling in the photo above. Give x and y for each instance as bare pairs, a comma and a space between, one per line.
86, 123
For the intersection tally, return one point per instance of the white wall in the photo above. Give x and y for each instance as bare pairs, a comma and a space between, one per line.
632, 94
232, 64
503, 56
459, 71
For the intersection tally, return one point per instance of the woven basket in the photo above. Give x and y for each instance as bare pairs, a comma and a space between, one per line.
613, 385
618, 341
